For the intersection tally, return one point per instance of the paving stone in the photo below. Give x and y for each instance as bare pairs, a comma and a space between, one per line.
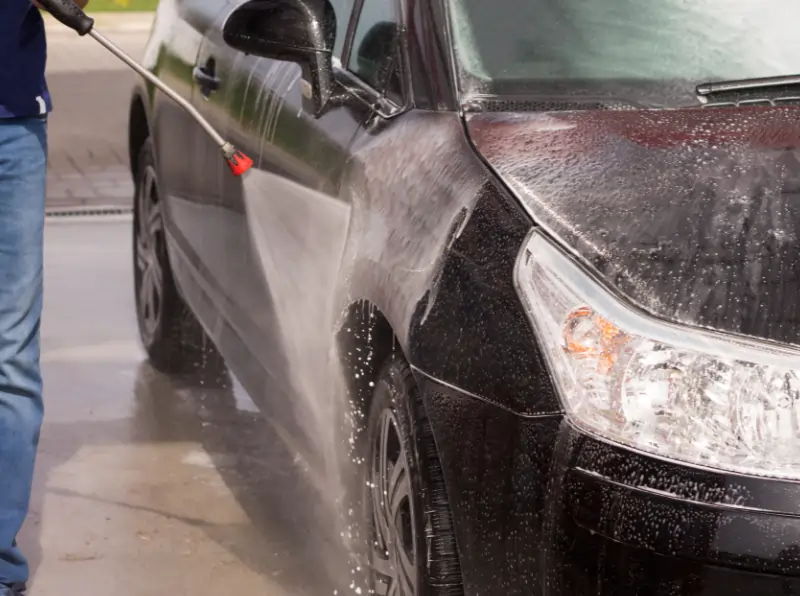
118, 192
112, 186
88, 129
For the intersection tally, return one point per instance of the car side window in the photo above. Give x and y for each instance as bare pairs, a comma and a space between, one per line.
393, 90
374, 42
343, 10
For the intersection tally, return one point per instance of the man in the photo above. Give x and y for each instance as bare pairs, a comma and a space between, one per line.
24, 105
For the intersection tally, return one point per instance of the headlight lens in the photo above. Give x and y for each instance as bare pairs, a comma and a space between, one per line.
681, 393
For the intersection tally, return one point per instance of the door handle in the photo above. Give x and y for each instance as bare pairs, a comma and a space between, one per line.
205, 80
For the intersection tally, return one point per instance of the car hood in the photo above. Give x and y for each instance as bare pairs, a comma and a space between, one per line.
694, 214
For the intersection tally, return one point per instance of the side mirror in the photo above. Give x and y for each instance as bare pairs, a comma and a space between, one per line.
301, 31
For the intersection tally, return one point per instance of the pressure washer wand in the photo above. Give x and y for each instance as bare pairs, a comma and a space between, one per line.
71, 15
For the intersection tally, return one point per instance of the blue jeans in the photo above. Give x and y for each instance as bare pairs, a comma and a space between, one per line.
23, 172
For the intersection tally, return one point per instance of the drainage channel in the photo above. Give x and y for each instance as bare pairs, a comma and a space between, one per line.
88, 211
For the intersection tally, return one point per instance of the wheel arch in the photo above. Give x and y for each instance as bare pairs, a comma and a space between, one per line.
366, 340
139, 129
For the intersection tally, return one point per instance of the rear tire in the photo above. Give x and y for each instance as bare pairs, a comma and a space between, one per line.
172, 336
411, 540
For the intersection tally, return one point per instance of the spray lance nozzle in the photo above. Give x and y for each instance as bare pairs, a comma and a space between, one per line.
69, 14
238, 162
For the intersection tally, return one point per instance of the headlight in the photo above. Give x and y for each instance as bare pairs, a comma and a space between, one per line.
677, 392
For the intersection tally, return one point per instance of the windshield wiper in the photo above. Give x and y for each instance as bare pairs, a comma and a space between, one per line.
704, 90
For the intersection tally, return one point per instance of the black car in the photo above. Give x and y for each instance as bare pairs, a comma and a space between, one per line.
519, 287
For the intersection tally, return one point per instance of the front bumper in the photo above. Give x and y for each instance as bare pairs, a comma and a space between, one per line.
542, 509
619, 522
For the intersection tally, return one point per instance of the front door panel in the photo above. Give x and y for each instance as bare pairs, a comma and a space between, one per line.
295, 225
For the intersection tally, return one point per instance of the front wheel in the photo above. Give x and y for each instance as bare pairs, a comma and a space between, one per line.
412, 547
173, 338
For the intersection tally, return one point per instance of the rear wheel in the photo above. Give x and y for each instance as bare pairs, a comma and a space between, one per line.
412, 547
173, 338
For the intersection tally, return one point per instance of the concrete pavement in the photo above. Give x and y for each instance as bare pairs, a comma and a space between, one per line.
88, 128
148, 485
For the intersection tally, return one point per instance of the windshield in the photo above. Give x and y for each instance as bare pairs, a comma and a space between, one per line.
653, 52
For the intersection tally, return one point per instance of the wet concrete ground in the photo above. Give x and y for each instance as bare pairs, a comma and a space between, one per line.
147, 485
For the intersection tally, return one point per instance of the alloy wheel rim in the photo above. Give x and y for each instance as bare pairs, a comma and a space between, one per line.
394, 542
149, 234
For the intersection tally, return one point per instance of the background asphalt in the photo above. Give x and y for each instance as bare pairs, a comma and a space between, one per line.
88, 127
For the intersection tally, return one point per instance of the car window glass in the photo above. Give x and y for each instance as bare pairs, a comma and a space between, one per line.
394, 81
343, 10
651, 52
374, 42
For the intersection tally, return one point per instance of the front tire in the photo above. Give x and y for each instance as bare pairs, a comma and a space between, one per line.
172, 336
411, 540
